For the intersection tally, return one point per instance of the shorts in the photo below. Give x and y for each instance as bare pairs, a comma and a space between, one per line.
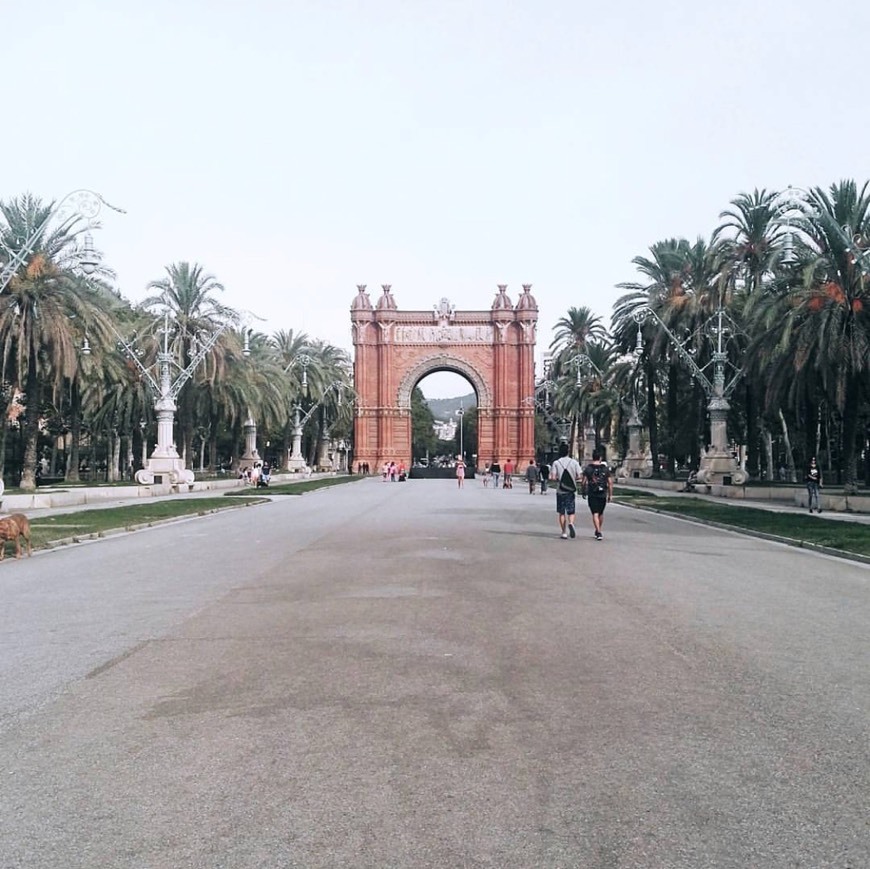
565, 503
597, 503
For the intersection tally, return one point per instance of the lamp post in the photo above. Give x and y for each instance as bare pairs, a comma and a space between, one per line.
584, 363
717, 465
81, 203
165, 461
541, 402
296, 461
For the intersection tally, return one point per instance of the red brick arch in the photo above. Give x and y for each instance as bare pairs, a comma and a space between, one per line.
394, 350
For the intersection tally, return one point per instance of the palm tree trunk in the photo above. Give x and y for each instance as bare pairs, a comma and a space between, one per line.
850, 436
767, 438
4, 431
213, 449
789, 454
672, 420
75, 432
31, 428
751, 405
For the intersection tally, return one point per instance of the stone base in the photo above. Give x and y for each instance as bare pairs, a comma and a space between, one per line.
635, 468
165, 470
720, 469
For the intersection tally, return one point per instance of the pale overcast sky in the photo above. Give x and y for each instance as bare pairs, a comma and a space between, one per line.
296, 149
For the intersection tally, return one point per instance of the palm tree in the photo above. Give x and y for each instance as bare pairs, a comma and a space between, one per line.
819, 331
578, 327
668, 288
329, 383
749, 243
45, 310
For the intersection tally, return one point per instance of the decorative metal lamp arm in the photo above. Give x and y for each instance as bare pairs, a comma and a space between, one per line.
86, 203
641, 314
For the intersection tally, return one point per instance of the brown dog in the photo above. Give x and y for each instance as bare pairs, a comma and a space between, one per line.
23, 530
9, 531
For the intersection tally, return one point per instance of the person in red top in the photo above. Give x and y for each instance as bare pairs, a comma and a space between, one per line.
508, 474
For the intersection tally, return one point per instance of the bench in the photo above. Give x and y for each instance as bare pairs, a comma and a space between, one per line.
50, 481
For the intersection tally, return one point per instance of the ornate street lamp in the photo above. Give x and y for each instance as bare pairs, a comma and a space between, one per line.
79, 204
717, 465
584, 363
296, 461
165, 461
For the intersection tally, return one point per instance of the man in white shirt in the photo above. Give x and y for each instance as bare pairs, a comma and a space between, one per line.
566, 473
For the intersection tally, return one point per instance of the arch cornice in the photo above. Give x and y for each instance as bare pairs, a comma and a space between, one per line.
439, 362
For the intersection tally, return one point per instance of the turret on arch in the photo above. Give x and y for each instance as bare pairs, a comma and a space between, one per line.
395, 349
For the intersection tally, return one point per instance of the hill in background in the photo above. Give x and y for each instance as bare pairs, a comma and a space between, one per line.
445, 408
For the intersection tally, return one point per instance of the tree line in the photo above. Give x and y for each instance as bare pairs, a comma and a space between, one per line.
75, 396
789, 269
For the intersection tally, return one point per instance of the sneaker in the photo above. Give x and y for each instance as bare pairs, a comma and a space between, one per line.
564, 536
598, 535
572, 532
819, 510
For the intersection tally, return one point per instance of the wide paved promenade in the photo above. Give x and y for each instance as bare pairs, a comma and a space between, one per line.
408, 675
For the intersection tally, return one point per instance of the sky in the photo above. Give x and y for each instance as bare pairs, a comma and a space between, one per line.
296, 149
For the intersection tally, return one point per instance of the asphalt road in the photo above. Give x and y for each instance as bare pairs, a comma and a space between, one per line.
408, 675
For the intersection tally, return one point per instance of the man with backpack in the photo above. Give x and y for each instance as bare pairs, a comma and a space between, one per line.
597, 489
566, 472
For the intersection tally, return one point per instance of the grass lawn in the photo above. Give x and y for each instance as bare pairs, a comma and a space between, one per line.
78, 525
84, 524
813, 530
294, 488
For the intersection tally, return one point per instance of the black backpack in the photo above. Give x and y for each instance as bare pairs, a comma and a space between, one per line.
567, 483
597, 475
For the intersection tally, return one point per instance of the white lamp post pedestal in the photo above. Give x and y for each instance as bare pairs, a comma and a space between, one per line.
296, 462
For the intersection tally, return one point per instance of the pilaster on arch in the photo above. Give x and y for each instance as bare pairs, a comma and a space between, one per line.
444, 362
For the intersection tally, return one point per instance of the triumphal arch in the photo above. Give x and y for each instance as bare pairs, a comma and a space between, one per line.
394, 350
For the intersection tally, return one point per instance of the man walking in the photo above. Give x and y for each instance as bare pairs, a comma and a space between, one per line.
495, 468
597, 489
508, 474
532, 476
566, 472
544, 473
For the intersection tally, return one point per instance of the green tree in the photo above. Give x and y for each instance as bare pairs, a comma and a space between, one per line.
816, 334
749, 243
423, 439
45, 311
